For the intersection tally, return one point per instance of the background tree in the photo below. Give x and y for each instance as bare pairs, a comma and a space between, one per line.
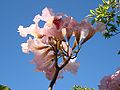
107, 13
2, 87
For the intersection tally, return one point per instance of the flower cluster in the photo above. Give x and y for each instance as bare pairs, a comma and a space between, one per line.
51, 44
111, 82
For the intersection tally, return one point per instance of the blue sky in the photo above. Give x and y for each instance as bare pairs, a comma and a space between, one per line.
98, 57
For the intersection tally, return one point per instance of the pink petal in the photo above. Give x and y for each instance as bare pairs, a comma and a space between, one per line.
47, 13
111, 82
25, 48
100, 27
23, 31
72, 66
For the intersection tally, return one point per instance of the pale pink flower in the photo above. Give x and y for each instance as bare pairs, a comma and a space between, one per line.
111, 82
37, 19
50, 73
85, 25
47, 14
45, 63
43, 60
23, 31
25, 47
84, 33
104, 83
34, 45
72, 26
66, 47
53, 24
33, 30
57, 30
52, 32
72, 66
101, 27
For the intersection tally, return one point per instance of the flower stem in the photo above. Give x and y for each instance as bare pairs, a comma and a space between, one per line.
54, 79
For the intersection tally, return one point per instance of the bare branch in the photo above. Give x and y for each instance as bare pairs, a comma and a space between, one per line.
76, 53
56, 69
116, 33
54, 79
65, 63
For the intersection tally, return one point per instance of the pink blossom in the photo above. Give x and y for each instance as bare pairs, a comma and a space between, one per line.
88, 30
25, 47
53, 25
72, 26
23, 31
47, 14
34, 45
84, 24
50, 73
66, 48
33, 30
37, 19
45, 63
111, 82
52, 31
72, 66
84, 33
44, 41
101, 27
43, 60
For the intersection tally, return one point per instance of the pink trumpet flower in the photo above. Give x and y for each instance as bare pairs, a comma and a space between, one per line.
111, 82
51, 44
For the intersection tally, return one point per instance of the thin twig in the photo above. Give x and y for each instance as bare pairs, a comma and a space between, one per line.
79, 47
116, 33
54, 79
64, 64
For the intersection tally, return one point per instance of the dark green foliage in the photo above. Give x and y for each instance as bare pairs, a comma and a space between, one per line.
4, 87
107, 13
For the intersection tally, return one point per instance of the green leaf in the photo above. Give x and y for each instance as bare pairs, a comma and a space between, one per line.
98, 10
118, 23
112, 19
101, 8
106, 7
104, 1
118, 17
90, 15
92, 12
107, 35
109, 24
93, 21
